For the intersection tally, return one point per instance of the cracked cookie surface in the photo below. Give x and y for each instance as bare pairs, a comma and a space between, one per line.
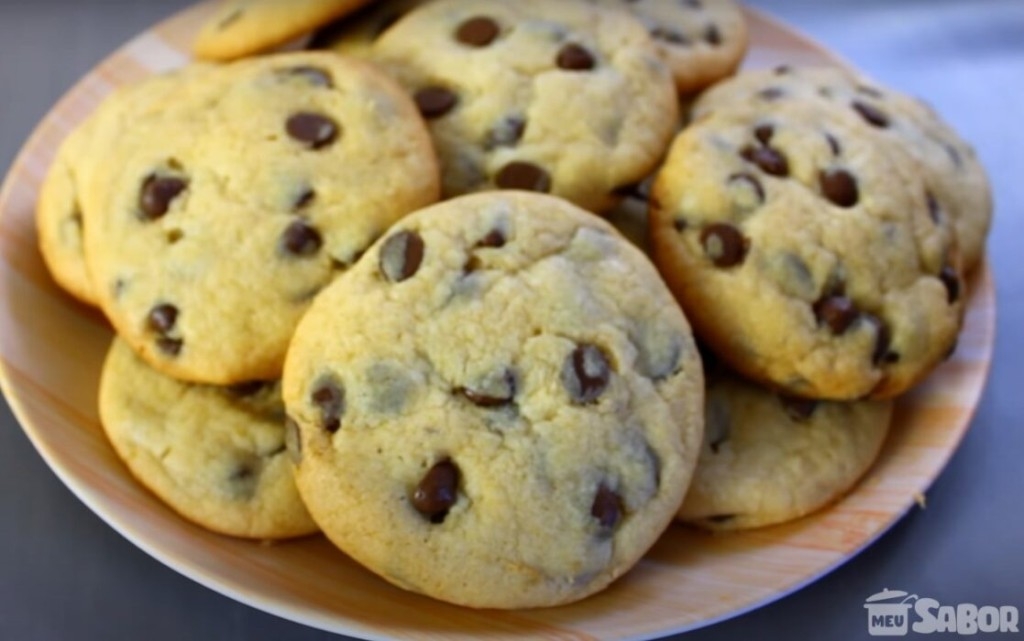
956, 184
499, 406
216, 455
556, 97
233, 204
768, 458
804, 252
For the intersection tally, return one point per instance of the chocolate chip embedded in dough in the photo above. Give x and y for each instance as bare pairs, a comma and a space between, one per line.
882, 352
162, 318
244, 476
506, 133
401, 256
669, 35
764, 133
833, 144
798, 409
836, 312
586, 373
934, 210
494, 239
328, 396
746, 188
300, 239
525, 176
724, 245
713, 36
871, 114
839, 186
169, 346
437, 491
771, 94
314, 130
157, 193
573, 57
497, 392
606, 508
478, 32
435, 102
770, 160
303, 199
951, 280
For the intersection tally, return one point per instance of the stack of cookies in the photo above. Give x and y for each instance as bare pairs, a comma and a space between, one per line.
371, 287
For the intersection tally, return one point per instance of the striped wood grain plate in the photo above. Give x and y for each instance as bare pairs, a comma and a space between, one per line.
51, 350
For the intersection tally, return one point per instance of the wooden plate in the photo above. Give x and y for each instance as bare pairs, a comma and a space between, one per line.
51, 350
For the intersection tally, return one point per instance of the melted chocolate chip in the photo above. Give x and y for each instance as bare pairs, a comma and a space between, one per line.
724, 244
437, 492
501, 393
162, 318
525, 176
839, 186
157, 193
770, 160
573, 57
833, 144
836, 312
506, 133
401, 256
303, 200
169, 346
951, 280
434, 102
606, 508
771, 94
300, 239
764, 133
680, 224
883, 341
586, 374
477, 32
243, 477
748, 182
315, 76
495, 238
871, 114
798, 409
328, 396
314, 130
712, 36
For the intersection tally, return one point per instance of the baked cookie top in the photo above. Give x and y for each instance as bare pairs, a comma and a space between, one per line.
702, 41
239, 28
499, 406
956, 184
216, 455
558, 97
804, 252
233, 204
769, 458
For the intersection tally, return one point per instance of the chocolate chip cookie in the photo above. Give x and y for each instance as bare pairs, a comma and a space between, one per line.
702, 41
806, 254
956, 185
216, 455
556, 97
241, 198
356, 34
769, 458
239, 28
499, 406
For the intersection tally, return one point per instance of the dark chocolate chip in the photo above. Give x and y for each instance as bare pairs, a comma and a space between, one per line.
573, 57
525, 176
497, 395
770, 160
437, 492
669, 35
934, 211
606, 508
712, 36
871, 114
764, 133
724, 245
401, 256
434, 102
300, 239
833, 144
839, 186
312, 129
313, 75
951, 280
157, 193
680, 224
161, 319
305, 197
836, 312
328, 396
798, 409
586, 374
495, 238
477, 32
883, 341
506, 133
771, 94
748, 181
169, 346
293, 440
244, 476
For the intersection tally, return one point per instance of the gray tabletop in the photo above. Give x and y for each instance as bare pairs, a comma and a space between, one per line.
64, 574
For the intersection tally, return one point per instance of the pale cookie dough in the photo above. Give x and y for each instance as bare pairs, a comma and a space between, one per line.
956, 184
557, 97
804, 252
240, 28
769, 458
215, 455
233, 204
702, 41
499, 406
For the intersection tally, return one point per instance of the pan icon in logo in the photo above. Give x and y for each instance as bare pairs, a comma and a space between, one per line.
887, 616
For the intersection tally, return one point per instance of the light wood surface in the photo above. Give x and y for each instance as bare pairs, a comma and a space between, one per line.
51, 349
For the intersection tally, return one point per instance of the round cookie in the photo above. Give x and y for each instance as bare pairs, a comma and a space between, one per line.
558, 97
215, 455
356, 34
804, 253
768, 459
240, 199
956, 184
702, 41
239, 28
499, 406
